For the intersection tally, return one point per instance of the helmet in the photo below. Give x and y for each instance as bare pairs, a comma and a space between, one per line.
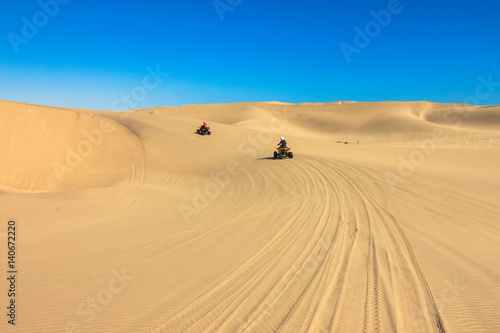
204, 122
282, 138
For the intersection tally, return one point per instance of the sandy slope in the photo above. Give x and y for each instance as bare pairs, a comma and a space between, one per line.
129, 222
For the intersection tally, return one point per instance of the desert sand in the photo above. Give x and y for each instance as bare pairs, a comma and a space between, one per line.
387, 219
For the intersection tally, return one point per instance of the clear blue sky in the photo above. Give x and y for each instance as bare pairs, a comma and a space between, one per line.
93, 54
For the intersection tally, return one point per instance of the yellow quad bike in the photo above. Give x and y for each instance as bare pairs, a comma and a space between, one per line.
282, 153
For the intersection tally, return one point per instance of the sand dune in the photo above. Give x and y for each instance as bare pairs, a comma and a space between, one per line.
386, 219
50, 149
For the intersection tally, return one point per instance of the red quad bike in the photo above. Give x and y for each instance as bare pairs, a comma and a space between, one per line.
203, 131
282, 153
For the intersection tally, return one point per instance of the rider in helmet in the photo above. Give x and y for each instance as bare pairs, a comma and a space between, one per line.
282, 143
204, 127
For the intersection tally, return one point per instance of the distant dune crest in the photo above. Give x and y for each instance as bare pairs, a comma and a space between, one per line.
48, 148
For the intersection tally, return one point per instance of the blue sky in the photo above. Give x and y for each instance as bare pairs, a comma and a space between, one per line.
101, 54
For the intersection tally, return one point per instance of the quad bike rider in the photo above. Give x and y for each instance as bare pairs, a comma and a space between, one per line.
282, 151
204, 129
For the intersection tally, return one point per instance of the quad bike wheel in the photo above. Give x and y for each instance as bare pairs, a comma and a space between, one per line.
290, 154
275, 154
280, 156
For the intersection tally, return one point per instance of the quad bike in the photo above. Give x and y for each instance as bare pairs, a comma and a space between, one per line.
203, 131
281, 153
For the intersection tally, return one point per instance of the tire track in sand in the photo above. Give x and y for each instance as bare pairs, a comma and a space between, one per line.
339, 263
396, 288
241, 300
